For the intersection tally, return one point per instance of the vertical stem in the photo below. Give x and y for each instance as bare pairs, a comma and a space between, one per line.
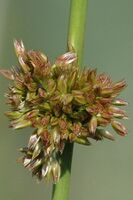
76, 32
61, 189
77, 26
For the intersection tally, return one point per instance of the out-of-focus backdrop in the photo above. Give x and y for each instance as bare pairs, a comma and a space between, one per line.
104, 170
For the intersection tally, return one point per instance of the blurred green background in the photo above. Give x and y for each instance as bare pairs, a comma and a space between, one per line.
104, 170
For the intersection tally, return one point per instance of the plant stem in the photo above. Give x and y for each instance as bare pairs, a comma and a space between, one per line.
75, 41
61, 189
77, 27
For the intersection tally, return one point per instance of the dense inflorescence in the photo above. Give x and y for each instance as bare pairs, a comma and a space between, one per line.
63, 104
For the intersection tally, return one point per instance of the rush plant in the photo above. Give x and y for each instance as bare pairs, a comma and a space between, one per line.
63, 103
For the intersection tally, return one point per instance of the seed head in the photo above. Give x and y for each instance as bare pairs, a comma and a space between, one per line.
63, 104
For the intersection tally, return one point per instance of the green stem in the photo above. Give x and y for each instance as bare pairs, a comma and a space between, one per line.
77, 27
61, 189
75, 41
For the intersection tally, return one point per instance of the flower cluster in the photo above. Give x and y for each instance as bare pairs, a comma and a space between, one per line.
63, 104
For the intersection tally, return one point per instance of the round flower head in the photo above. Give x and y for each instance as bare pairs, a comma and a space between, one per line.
63, 104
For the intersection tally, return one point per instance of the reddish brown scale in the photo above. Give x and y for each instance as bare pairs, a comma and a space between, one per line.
62, 124
46, 137
45, 121
76, 128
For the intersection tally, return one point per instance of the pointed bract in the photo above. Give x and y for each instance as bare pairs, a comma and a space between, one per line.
19, 47
92, 124
66, 59
7, 74
120, 102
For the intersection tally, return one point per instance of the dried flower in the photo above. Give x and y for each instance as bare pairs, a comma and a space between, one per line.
63, 104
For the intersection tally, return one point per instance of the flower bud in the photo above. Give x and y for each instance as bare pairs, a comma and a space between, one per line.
23, 64
106, 92
51, 87
26, 162
37, 59
105, 134
45, 170
55, 135
117, 112
119, 128
120, 102
7, 74
33, 141
66, 59
93, 124
36, 151
102, 121
62, 84
56, 171
82, 140
79, 96
67, 98
117, 87
19, 47
13, 114
72, 79
20, 123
